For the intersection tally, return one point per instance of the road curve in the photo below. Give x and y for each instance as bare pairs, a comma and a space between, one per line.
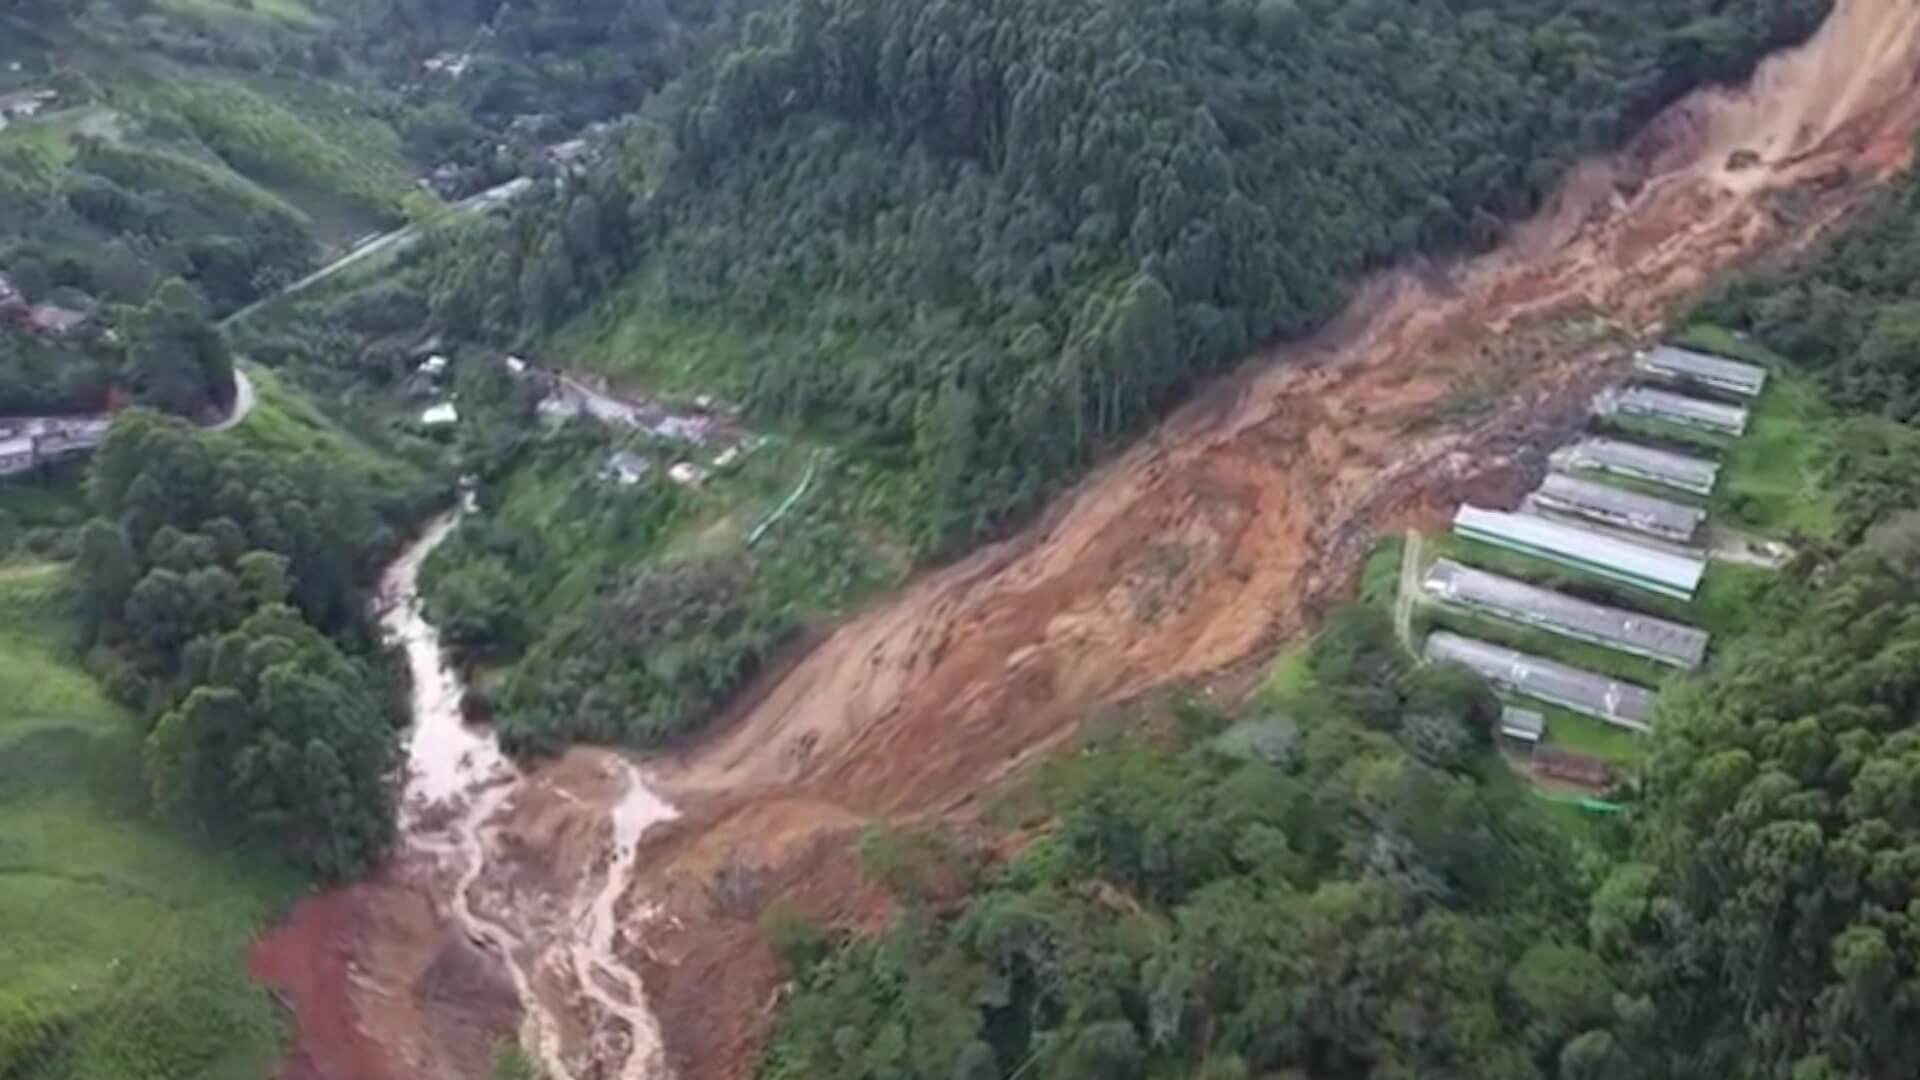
243, 400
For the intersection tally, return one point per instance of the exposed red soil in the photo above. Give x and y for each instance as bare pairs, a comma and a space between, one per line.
1191, 556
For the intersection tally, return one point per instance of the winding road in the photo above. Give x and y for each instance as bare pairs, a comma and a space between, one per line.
398, 240
243, 402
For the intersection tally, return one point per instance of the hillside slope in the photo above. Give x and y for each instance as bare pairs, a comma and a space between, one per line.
123, 940
1193, 553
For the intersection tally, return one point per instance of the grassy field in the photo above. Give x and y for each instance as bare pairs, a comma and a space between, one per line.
1380, 574
289, 12
1569, 730
1771, 481
123, 941
629, 337
285, 424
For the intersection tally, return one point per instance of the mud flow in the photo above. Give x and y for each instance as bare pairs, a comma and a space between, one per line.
1189, 557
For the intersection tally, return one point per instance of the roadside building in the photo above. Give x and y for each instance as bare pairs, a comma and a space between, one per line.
25, 104
56, 321
625, 468
16, 454
1609, 557
1660, 640
58, 437
1522, 729
29, 442
1668, 407
1629, 459
441, 415
1687, 367
687, 474
1664, 519
1618, 703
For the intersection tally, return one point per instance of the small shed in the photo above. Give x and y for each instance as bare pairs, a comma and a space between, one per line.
1521, 730
441, 415
56, 321
433, 366
625, 468
16, 454
687, 474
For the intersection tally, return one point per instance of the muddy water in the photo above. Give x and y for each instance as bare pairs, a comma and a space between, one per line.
457, 784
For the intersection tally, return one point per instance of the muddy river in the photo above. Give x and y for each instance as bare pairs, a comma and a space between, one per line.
457, 783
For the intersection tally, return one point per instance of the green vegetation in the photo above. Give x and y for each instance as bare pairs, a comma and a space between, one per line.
990, 241
1569, 730
631, 612
1208, 909
206, 580
1341, 891
123, 941
1380, 573
1773, 479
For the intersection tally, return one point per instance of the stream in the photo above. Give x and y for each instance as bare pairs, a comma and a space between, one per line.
456, 782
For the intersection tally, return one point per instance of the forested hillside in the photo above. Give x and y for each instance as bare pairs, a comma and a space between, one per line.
159, 166
988, 239
1345, 883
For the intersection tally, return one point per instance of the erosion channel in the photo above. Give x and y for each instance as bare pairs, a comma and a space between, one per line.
1188, 558
583, 1011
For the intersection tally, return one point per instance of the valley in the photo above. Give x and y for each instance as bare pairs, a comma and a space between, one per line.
1187, 559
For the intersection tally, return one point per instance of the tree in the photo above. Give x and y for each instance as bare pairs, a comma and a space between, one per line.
177, 358
107, 573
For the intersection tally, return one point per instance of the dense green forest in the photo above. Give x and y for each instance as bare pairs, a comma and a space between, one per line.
965, 248
210, 580
988, 239
1345, 882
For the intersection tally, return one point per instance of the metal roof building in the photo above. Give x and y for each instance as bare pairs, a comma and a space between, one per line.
1680, 409
1618, 703
1522, 725
1685, 365
1659, 640
1649, 514
1640, 462
1605, 556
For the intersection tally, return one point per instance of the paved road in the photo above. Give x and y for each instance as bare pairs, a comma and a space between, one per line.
398, 240
243, 399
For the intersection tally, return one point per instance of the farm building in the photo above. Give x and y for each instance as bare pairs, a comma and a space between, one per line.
1700, 369
1516, 601
1560, 493
1640, 462
1665, 405
1615, 702
1642, 567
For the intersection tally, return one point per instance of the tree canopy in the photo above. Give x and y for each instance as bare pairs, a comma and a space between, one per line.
991, 238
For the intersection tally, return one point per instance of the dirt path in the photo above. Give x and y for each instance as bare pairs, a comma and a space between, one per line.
1199, 551
1407, 594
